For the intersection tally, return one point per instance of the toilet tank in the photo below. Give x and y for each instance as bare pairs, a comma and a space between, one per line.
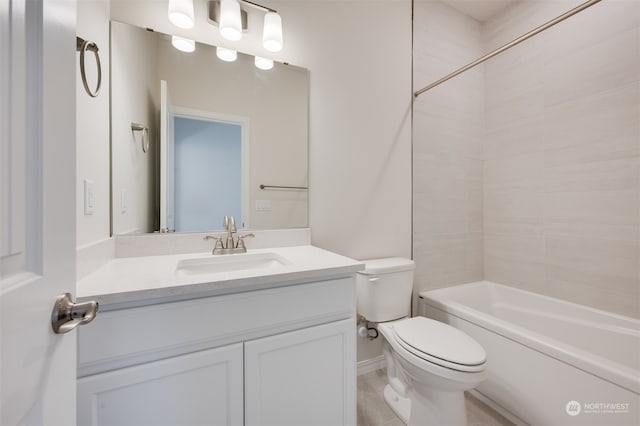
383, 289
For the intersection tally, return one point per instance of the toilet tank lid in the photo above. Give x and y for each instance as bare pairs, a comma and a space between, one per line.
387, 265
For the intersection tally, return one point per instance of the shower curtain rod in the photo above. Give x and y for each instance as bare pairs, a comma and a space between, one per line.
509, 45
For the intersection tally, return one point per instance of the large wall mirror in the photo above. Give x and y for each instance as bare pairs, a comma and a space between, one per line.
194, 138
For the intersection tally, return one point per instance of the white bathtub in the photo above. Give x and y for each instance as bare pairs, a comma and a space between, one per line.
547, 357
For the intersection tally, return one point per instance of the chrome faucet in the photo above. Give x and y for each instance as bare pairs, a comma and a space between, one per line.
230, 246
230, 227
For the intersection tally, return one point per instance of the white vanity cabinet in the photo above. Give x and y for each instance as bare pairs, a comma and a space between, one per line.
279, 356
201, 388
301, 377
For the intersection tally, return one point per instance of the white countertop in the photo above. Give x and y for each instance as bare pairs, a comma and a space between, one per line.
138, 281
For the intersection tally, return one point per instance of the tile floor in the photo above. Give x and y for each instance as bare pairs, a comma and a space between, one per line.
374, 411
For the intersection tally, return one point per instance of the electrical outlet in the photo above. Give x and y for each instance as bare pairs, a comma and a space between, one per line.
89, 197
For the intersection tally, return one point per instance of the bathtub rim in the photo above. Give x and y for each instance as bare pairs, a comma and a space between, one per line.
590, 363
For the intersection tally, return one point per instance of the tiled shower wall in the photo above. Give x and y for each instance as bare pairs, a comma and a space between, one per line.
448, 125
562, 184
560, 154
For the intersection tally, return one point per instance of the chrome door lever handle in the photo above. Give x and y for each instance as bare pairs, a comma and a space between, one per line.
67, 315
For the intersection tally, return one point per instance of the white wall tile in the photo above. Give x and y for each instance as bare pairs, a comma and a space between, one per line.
516, 260
514, 78
514, 172
605, 65
591, 26
562, 159
591, 176
595, 272
610, 215
522, 17
525, 106
602, 126
517, 211
448, 139
448, 259
499, 142
559, 135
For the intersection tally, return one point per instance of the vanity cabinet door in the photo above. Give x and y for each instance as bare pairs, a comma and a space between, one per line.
304, 377
201, 388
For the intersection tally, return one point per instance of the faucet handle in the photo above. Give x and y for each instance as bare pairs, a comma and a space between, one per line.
216, 244
241, 238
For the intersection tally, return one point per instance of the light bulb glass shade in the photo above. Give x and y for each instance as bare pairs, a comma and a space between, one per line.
272, 32
263, 63
181, 13
183, 44
227, 55
230, 20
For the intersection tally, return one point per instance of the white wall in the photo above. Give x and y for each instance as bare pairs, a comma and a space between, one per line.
359, 54
92, 126
135, 98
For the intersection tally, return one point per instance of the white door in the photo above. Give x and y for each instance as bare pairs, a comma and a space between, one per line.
37, 209
167, 161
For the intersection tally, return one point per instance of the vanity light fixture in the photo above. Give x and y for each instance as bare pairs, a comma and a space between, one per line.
272, 32
227, 55
180, 13
263, 63
232, 21
183, 44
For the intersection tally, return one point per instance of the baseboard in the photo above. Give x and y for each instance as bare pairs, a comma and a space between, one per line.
369, 365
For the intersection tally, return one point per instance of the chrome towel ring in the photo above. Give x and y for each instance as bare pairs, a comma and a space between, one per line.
83, 46
137, 127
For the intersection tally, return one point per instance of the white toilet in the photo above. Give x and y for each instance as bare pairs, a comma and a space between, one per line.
429, 364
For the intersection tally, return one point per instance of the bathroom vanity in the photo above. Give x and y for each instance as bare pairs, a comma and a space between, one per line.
266, 337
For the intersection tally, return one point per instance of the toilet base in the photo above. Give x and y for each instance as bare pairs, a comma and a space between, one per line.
440, 408
400, 406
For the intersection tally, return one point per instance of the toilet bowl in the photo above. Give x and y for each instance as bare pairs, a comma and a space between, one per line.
429, 364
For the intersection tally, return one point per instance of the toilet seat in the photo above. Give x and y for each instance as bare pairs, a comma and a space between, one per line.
440, 344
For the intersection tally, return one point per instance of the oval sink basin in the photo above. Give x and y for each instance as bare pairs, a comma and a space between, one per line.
229, 263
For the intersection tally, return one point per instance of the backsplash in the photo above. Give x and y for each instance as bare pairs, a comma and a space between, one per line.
93, 256
174, 243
